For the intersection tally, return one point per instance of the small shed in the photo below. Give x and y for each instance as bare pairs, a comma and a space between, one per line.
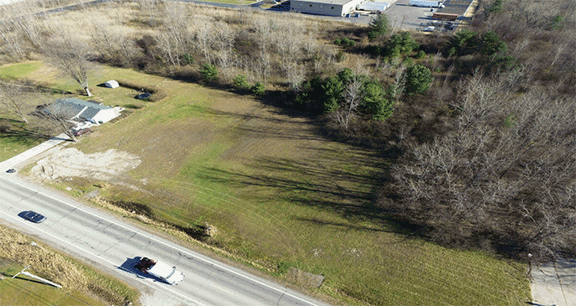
112, 84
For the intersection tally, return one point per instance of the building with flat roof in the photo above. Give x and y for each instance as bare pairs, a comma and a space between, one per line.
324, 7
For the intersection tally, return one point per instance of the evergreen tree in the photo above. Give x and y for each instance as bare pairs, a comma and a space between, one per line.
209, 72
418, 79
332, 88
492, 45
375, 103
378, 27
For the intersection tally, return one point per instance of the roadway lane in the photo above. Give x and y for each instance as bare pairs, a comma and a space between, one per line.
106, 240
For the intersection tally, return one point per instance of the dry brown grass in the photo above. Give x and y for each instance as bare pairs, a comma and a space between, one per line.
50, 264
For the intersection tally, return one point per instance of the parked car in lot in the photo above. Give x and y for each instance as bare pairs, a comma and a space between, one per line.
82, 132
33, 216
429, 29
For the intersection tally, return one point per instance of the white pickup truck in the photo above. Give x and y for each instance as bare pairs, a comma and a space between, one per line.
160, 270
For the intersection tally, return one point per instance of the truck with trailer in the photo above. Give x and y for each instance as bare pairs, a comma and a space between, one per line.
426, 3
160, 270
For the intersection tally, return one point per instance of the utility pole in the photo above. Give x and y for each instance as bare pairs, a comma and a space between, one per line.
37, 277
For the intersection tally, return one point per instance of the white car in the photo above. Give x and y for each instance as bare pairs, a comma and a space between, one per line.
429, 29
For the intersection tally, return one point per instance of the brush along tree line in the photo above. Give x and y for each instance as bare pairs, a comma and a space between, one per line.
501, 178
471, 183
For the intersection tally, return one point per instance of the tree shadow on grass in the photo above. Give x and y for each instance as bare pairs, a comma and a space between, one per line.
197, 232
408, 230
328, 181
18, 132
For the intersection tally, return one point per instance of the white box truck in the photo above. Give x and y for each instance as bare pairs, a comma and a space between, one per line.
160, 270
425, 3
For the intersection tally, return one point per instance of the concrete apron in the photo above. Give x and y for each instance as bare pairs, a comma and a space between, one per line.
554, 283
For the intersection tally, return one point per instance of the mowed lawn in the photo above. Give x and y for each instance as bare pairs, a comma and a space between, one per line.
280, 195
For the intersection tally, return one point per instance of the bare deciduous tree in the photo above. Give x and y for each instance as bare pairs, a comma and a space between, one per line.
11, 42
174, 39
223, 44
58, 117
69, 56
13, 98
202, 32
295, 74
508, 170
352, 97
111, 41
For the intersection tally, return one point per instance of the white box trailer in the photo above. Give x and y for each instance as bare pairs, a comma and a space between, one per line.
425, 3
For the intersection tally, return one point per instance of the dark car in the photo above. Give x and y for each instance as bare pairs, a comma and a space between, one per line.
11, 171
143, 96
34, 217
81, 132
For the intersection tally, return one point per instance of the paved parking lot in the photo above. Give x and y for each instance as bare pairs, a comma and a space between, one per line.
404, 16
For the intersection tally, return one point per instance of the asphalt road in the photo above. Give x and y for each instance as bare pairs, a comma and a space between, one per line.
115, 246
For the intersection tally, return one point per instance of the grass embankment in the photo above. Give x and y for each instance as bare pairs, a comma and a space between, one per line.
81, 285
282, 196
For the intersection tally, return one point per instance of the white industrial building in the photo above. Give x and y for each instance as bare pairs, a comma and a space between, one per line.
324, 7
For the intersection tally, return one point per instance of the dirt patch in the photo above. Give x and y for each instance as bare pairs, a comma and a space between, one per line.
304, 278
71, 162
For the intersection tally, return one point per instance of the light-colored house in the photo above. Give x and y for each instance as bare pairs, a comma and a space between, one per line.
80, 110
324, 7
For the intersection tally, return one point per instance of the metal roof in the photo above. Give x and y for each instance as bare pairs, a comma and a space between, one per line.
72, 107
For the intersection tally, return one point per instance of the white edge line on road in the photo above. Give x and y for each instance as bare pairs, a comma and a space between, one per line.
163, 243
97, 256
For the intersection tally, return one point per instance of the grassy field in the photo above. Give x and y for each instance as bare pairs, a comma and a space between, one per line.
280, 195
